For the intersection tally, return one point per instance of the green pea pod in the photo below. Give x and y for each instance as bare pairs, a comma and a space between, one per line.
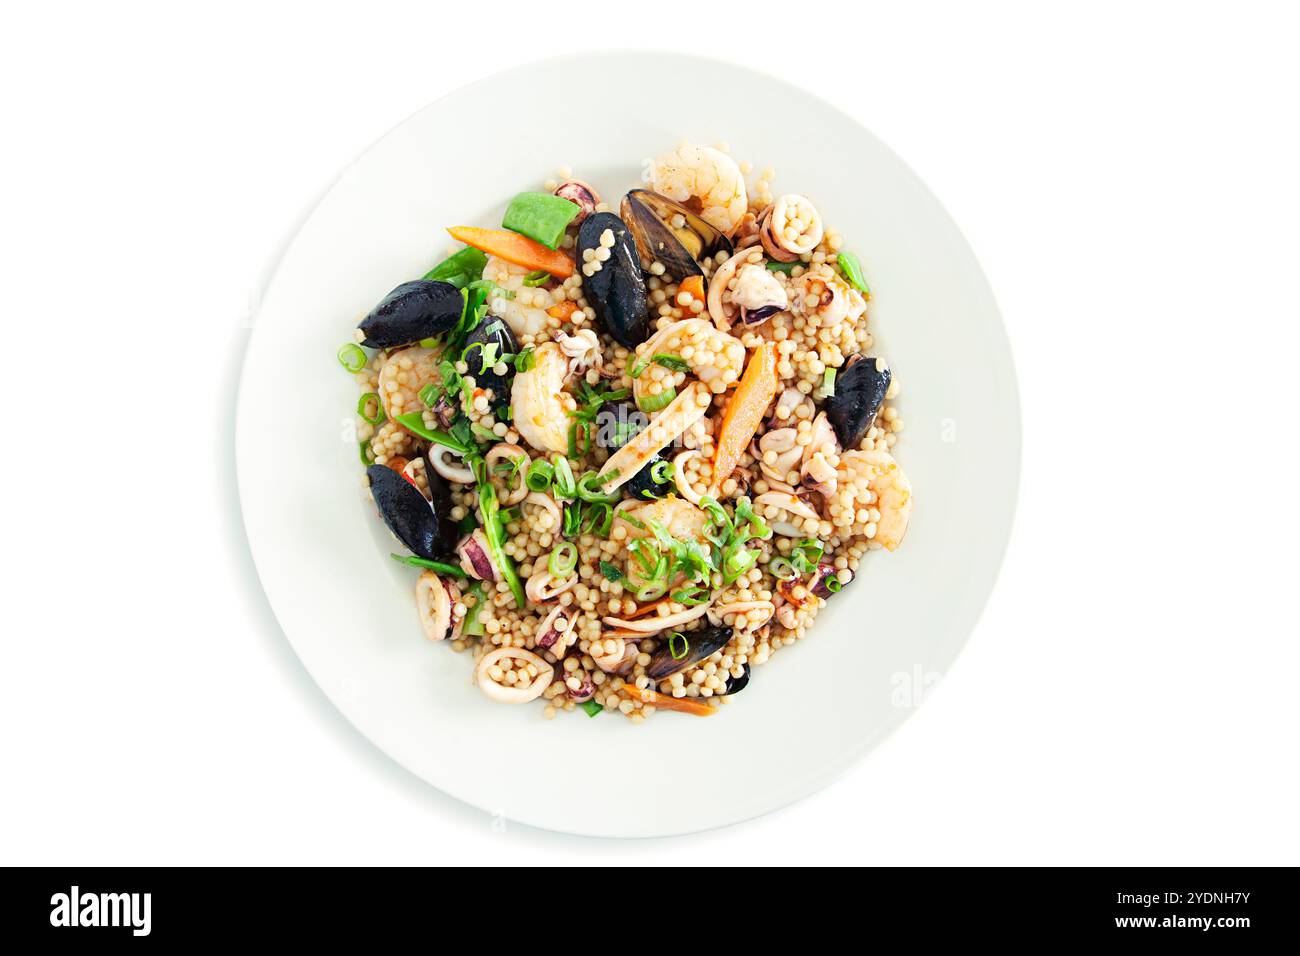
851, 269
460, 269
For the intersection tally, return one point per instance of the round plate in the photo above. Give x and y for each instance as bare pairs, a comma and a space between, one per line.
322, 552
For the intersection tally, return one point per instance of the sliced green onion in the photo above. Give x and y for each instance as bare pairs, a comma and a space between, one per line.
610, 572
352, 358
572, 517
538, 477
491, 288
367, 456
828, 383
578, 449
678, 639
674, 363
782, 569
786, 267
590, 485
430, 395
597, 516
651, 591
632, 520
414, 422
525, 360
735, 562
635, 366
363, 405
442, 567
692, 597
661, 472
489, 355
591, 707
564, 558
535, 279
472, 625
833, 584
654, 403
565, 487
851, 268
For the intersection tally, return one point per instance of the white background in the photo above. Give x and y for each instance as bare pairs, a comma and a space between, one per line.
1129, 176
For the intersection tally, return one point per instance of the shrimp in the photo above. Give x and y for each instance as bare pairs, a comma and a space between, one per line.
826, 299
715, 357
704, 179
541, 406
873, 482
526, 312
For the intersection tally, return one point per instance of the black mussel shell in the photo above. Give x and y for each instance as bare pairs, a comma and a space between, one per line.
411, 312
427, 529
642, 485
617, 290
735, 685
492, 330
679, 249
859, 389
700, 644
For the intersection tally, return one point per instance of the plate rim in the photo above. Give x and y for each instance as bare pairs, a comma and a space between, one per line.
849, 756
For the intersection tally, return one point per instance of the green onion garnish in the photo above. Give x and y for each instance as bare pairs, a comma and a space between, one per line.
472, 625
591, 707
833, 584
442, 567
828, 383
610, 572
674, 363
654, 403
352, 358
525, 360
590, 485
430, 395
782, 569
674, 639
692, 597
635, 366
786, 267
491, 288
534, 279
565, 487
661, 472
367, 456
364, 405
851, 268
414, 422
651, 591
564, 558
538, 477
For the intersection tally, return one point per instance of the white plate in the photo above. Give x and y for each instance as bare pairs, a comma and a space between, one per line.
348, 610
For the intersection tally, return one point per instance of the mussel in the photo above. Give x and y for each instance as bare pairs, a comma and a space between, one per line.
490, 332
423, 526
678, 653
614, 285
735, 685
411, 312
860, 387
670, 234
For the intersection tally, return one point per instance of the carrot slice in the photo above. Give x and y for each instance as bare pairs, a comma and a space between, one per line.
685, 705
693, 286
563, 310
515, 248
745, 411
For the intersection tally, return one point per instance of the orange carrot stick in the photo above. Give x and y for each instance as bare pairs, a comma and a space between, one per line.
515, 248
685, 705
563, 310
745, 411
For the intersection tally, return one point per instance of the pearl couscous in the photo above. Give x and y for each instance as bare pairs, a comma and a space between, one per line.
632, 454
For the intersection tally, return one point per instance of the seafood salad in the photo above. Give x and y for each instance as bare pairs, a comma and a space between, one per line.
631, 447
